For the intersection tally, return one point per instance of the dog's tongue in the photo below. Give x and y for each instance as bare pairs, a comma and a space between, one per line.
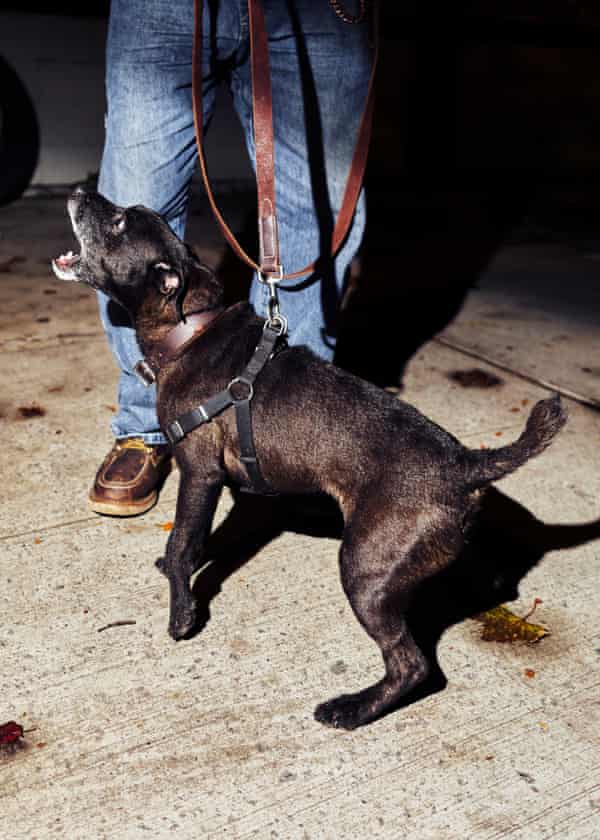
67, 260
64, 266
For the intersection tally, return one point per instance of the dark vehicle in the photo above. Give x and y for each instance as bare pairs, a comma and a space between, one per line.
19, 125
19, 135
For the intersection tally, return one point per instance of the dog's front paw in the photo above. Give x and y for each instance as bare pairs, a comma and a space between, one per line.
161, 565
341, 713
349, 710
183, 622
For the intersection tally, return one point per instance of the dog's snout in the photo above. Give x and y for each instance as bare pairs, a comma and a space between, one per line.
78, 195
78, 204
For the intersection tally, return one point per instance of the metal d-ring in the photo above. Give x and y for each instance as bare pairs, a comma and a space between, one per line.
239, 380
277, 322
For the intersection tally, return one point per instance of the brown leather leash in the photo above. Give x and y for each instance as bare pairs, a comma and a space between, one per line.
239, 393
269, 264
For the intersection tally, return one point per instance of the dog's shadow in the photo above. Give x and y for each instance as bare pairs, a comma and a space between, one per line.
253, 522
505, 543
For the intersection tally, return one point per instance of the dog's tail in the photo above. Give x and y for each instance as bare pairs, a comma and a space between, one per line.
545, 421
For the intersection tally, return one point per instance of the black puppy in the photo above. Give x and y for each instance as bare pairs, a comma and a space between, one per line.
406, 488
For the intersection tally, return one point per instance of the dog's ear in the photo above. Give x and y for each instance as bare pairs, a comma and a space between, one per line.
168, 280
206, 283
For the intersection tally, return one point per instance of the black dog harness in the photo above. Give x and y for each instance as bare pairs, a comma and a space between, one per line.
238, 394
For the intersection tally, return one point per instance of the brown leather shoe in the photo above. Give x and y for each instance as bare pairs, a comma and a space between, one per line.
130, 477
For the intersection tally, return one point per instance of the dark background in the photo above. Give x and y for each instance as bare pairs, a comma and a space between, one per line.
96, 8
486, 129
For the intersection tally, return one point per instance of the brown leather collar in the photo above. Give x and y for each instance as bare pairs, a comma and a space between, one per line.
175, 343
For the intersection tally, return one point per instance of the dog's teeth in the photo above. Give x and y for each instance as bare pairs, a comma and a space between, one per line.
67, 259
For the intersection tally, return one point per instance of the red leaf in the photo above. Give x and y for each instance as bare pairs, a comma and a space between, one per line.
10, 732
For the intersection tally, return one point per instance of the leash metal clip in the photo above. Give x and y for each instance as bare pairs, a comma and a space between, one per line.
275, 319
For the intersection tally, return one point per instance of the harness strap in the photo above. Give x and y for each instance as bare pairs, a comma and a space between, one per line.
208, 410
248, 457
185, 423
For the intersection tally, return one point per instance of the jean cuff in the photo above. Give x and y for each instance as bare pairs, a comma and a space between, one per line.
149, 438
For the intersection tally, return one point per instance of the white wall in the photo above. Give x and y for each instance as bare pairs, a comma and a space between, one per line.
61, 61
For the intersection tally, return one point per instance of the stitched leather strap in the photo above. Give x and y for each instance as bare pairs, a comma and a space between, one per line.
193, 326
262, 115
264, 149
175, 342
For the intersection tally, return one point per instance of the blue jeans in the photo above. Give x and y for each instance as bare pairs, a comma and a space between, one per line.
320, 69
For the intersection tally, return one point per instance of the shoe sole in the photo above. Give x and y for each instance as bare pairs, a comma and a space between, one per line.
123, 508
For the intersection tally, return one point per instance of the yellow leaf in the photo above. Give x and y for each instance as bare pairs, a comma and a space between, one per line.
502, 625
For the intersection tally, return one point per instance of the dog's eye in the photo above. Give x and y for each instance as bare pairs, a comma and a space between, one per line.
118, 225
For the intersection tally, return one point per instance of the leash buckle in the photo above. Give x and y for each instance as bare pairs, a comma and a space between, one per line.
271, 277
174, 432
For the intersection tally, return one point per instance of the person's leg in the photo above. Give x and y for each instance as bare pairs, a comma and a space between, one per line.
149, 156
320, 68
150, 152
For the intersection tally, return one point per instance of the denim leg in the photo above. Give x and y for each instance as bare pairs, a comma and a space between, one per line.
320, 72
320, 68
149, 153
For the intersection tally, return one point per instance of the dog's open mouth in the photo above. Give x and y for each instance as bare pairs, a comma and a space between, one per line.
65, 267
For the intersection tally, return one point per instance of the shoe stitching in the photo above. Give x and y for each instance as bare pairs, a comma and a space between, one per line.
153, 461
104, 482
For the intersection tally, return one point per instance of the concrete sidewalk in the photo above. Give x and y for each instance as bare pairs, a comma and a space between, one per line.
135, 736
